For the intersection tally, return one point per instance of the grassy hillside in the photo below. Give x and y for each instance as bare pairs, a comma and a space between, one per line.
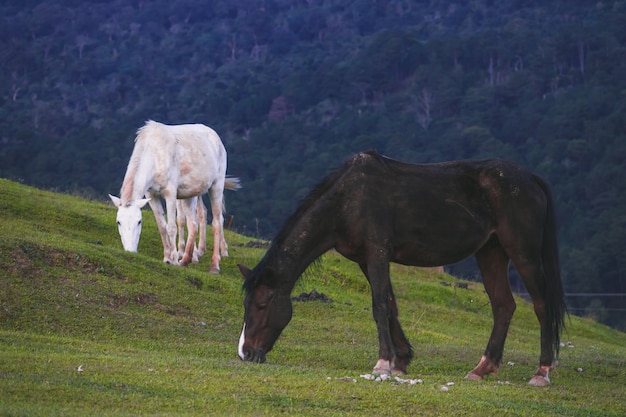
87, 329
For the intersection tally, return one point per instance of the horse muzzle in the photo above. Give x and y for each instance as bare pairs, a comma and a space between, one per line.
251, 355
246, 353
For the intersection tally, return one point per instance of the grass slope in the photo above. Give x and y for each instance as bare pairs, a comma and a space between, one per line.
87, 329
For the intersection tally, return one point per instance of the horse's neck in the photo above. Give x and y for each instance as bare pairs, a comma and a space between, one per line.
299, 248
137, 179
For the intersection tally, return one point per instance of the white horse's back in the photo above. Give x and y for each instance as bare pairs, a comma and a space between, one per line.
190, 155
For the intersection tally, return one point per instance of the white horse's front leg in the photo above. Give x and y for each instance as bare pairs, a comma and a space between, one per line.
171, 252
180, 221
189, 208
159, 216
202, 214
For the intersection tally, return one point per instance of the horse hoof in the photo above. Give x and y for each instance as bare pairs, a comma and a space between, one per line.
383, 367
539, 381
473, 376
214, 270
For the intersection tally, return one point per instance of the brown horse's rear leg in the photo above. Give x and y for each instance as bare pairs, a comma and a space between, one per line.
493, 263
534, 282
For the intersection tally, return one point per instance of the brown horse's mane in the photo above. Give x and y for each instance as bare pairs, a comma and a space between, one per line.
318, 191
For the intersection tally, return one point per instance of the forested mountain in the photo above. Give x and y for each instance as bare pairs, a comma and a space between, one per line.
294, 87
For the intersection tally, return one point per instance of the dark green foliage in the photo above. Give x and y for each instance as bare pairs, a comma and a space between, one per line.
542, 84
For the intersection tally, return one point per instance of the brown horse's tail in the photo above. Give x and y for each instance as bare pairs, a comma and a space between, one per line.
555, 297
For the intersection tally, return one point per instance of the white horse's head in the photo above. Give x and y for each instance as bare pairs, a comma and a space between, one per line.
129, 221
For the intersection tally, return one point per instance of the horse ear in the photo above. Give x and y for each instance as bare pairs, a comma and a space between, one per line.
115, 200
245, 271
141, 203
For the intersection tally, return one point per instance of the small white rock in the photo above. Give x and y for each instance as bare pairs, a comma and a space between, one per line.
510, 363
579, 369
444, 389
408, 381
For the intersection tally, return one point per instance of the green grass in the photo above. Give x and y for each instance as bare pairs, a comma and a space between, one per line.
87, 329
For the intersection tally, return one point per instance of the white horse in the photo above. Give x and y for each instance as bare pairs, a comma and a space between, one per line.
174, 162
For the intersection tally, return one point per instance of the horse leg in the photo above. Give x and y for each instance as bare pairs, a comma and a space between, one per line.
180, 221
195, 255
189, 208
217, 201
533, 279
216, 196
385, 311
159, 215
493, 264
170, 206
202, 213
223, 244
404, 350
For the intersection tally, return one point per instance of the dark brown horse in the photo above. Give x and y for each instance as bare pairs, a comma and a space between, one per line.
374, 210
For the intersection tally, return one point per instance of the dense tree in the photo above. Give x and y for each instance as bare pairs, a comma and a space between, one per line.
294, 88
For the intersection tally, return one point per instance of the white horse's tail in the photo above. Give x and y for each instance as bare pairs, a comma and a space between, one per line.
232, 183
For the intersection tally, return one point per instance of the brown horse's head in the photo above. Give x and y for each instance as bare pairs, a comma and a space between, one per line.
266, 313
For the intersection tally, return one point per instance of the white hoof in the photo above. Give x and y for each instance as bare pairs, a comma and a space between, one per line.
383, 367
539, 381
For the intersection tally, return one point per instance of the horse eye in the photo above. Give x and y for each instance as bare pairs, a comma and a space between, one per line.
139, 223
118, 223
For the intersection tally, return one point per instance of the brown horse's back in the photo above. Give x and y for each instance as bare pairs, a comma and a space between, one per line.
435, 214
